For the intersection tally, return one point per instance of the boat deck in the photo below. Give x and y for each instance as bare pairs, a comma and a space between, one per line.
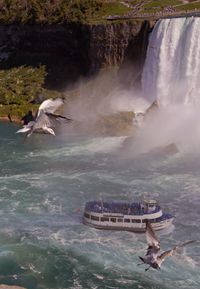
119, 208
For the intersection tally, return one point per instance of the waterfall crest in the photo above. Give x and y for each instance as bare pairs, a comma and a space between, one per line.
171, 73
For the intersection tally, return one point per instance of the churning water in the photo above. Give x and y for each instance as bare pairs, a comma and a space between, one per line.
44, 185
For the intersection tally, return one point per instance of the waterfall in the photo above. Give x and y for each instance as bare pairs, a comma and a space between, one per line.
171, 73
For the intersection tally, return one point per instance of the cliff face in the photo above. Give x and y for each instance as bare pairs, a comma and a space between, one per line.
62, 49
109, 43
73, 50
130, 71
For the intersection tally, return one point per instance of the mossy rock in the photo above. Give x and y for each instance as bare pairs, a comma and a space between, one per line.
116, 124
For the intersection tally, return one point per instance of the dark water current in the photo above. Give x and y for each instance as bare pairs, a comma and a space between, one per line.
44, 184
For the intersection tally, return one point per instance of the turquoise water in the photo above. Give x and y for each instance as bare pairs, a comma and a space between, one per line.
45, 182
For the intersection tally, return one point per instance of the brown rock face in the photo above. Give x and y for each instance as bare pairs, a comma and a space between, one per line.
72, 50
63, 49
109, 43
134, 56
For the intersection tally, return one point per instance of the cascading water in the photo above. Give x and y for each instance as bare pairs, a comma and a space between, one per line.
172, 67
171, 76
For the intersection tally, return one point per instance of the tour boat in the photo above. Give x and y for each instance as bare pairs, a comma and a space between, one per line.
125, 216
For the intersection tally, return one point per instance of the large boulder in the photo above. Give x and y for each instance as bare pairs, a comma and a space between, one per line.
169, 149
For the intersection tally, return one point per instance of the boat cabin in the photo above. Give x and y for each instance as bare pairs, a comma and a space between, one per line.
150, 206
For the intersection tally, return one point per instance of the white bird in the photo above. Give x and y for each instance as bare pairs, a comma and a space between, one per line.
152, 257
45, 118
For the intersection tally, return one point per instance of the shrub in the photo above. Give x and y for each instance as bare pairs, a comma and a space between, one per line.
21, 85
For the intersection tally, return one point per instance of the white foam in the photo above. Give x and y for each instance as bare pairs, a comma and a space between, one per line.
100, 277
88, 147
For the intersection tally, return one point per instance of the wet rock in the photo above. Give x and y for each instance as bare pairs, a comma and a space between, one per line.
153, 107
138, 119
169, 149
116, 124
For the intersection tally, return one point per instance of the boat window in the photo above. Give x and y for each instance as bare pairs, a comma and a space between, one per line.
86, 215
113, 220
136, 221
156, 220
94, 218
159, 219
103, 219
127, 220
144, 221
120, 220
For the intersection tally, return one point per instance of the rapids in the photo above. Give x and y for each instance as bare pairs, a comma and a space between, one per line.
44, 185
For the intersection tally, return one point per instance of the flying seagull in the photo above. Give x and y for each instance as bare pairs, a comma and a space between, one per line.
45, 119
152, 257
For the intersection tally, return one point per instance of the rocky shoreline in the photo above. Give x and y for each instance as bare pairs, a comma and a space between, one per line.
14, 120
3, 286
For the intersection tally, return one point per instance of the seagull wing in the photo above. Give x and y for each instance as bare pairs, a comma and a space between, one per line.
23, 130
50, 105
26, 128
152, 240
165, 254
169, 253
57, 116
153, 246
42, 121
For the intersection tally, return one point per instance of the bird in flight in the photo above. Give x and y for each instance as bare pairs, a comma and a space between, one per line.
153, 258
45, 119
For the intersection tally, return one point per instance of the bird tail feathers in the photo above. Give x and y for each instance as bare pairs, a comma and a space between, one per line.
23, 130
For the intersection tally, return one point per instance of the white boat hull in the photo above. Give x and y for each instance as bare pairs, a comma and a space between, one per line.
140, 228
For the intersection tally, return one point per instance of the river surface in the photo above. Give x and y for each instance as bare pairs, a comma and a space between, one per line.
44, 183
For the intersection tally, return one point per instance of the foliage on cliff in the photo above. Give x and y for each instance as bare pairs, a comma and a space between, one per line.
19, 87
56, 11
87, 11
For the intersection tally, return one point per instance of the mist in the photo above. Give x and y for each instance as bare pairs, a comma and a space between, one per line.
176, 123
100, 96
